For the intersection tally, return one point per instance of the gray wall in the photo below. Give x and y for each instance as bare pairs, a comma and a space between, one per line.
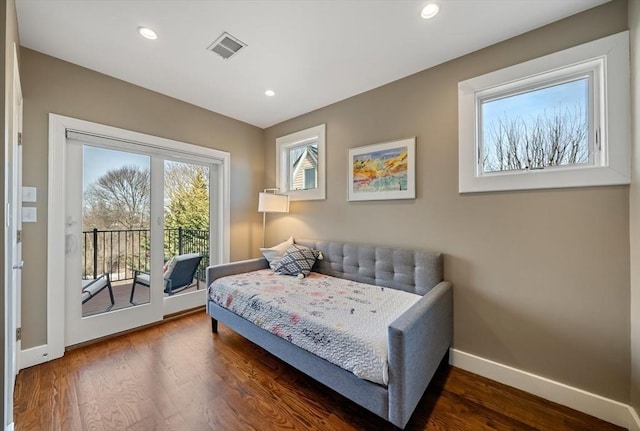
541, 277
52, 85
634, 25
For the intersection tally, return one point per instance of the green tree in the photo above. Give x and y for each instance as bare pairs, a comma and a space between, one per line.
188, 205
186, 208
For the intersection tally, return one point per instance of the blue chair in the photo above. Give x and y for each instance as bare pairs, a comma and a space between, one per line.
178, 276
91, 288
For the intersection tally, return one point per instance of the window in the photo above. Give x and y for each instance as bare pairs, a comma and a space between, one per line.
537, 129
557, 121
310, 178
300, 164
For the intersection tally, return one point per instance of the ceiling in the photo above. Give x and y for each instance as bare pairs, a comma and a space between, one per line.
310, 52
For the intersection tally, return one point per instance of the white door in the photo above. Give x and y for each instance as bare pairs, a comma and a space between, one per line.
13, 246
190, 205
132, 211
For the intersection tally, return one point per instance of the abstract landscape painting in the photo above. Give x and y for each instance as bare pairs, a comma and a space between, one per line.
382, 171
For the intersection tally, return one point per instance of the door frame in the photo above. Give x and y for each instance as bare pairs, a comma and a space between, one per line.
13, 208
58, 126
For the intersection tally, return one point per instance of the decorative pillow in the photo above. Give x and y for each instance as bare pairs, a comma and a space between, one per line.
168, 267
298, 261
274, 254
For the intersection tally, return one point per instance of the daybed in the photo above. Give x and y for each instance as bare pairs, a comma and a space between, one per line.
417, 340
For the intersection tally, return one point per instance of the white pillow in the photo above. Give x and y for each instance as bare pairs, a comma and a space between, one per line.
274, 254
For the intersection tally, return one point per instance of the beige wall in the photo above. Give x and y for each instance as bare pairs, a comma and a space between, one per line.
541, 277
634, 195
52, 85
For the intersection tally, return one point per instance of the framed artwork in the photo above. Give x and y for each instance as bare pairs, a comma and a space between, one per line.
383, 171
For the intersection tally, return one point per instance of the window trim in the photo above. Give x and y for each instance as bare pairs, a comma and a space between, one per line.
611, 119
283, 145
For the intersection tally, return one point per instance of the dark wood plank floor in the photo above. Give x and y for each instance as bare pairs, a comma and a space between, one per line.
180, 376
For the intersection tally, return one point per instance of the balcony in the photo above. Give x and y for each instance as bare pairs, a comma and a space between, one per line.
120, 252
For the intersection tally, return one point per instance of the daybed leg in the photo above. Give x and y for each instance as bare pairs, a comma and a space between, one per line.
214, 325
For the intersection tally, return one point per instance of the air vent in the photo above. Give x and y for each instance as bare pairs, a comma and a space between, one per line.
226, 46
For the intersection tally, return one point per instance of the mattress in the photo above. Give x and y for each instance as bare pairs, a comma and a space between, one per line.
342, 321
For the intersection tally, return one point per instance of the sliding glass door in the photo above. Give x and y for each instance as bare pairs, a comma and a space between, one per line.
142, 224
189, 234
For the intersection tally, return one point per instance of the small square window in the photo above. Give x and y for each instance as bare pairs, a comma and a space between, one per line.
300, 164
303, 162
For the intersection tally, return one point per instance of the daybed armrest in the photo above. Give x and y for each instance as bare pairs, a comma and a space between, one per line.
217, 271
418, 340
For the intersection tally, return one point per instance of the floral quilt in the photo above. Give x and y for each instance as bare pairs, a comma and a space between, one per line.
342, 321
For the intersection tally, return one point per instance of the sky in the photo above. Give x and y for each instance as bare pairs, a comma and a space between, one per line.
97, 161
527, 105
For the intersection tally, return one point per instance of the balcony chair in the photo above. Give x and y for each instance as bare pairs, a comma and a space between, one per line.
179, 275
91, 288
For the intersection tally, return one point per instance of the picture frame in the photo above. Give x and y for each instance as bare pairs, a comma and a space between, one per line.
382, 171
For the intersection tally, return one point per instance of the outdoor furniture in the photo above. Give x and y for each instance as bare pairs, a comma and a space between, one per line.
178, 275
91, 288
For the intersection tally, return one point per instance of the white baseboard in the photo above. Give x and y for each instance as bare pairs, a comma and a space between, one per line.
34, 356
595, 405
634, 420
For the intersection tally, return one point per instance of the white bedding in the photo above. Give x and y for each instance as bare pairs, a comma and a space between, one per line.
342, 321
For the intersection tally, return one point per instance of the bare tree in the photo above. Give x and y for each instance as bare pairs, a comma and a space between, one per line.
549, 139
119, 198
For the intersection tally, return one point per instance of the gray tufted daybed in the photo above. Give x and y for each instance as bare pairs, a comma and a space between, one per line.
417, 340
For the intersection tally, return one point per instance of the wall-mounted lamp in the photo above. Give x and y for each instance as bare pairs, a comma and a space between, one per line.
270, 201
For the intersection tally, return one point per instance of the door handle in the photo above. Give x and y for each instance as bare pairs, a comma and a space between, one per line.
70, 243
19, 265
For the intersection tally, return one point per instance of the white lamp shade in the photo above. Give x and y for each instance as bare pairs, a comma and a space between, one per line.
273, 203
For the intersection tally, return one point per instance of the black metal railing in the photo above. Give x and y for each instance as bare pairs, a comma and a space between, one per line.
121, 252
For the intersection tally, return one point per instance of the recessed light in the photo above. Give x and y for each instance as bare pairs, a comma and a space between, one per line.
147, 32
430, 10
270, 93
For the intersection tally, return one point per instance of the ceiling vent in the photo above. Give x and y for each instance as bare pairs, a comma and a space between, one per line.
226, 46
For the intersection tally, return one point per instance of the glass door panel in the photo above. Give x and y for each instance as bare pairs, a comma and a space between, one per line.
109, 242
186, 226
116, 230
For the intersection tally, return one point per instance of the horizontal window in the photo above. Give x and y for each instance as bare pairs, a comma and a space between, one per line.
557, 121
537, 129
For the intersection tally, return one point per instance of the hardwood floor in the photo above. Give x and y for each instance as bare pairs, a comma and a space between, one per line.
180, 376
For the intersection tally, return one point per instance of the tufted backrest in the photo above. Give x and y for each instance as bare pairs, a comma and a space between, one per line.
413, 271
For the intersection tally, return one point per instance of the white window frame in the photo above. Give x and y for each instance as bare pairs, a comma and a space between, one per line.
283, 176
607, 59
